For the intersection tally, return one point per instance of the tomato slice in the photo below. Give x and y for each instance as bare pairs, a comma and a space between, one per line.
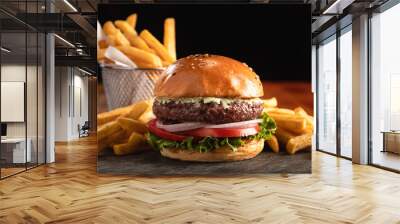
163, 133
204, 132
223, 132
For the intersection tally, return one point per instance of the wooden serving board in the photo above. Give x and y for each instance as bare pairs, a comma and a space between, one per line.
151, 163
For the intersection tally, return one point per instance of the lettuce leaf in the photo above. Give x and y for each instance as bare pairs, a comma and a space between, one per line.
267, 128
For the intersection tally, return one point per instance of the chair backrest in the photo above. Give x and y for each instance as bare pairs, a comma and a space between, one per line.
86, 125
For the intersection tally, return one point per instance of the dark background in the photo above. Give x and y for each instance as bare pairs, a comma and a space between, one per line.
275, 40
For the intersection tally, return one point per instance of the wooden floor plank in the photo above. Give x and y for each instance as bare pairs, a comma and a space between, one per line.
70, 191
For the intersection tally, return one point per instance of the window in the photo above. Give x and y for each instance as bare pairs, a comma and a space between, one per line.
385, 88
335, 74
22, 75
346, 93
326, 98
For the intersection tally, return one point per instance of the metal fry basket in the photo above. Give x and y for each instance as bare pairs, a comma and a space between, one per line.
123, 87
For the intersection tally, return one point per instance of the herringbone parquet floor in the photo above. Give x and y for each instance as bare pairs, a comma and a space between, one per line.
70, 191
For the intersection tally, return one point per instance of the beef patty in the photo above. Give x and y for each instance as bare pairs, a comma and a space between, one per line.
213, 113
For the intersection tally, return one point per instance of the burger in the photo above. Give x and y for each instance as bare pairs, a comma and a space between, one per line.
208, 109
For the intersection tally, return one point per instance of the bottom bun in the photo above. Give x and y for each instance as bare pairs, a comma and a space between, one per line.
249, 150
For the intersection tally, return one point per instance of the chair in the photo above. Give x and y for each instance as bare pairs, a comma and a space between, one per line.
84, 130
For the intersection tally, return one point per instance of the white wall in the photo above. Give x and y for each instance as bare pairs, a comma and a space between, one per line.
33, 127
61, 103
17, 73
14, 73
71, 94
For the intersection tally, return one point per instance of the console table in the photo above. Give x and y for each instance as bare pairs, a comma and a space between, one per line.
391, 141
13, 150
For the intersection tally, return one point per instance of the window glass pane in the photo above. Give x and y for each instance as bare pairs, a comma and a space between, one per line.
41, 98
15, 150
327, 96
346, 94
31, 97
385, 84
23, 82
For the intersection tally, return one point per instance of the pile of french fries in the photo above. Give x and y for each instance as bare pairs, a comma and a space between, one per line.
123, 129
294, 127
145, 50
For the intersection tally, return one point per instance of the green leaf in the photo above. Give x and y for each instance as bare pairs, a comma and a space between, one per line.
267, 128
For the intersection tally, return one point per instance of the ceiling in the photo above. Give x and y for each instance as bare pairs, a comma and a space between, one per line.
75, 21
21, 21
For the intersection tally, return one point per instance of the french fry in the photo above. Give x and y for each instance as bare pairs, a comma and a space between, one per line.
169, 37
130, 125
121, 40
147, 116
283, 136
107, 130
102, 44
132, 36
122, 149
138, 42
125, 27
272, 102
100, 54
298, 143
138, 109
273, 143
109, 28
165, 63
105, 117
117, 40
112, 40
144, 65
309, 129
292, 142
309, 119
293, 123
132, 19
156, 45
132, 146
278, 110
301, 112
114, 35
141, 57
117, 137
